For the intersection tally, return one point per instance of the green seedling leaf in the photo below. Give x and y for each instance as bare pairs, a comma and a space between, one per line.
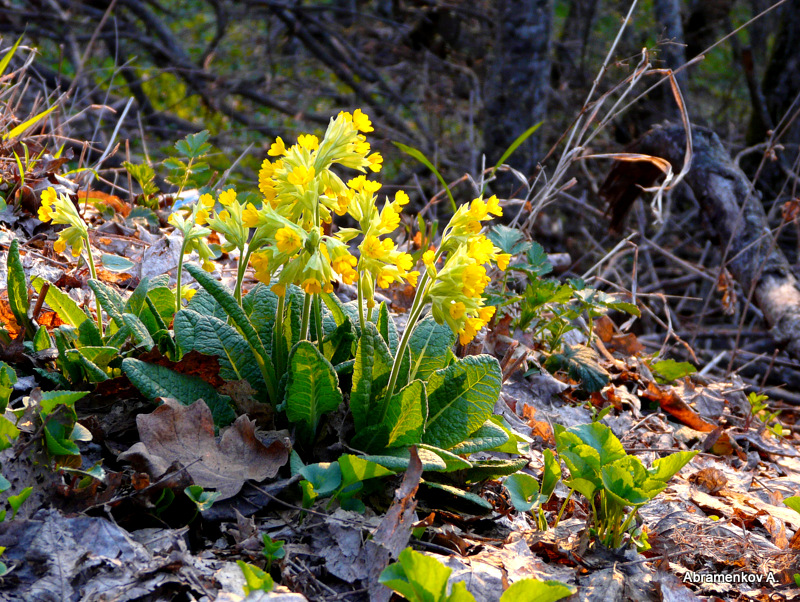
666, 468
420, 578
580, 362
594, 435
488, 436
398, 459
583, 486
509, 240
5, 484
273, 549
57, 439
202, 499
8, 378
793, 503
515, 145
419, 156
211, 336
355, 470
155, 381
16, 501
371, 372
452, 461
66, 309
461, 398
324, 478
618, 483
42, 340
312, 388
550, 476
493, 469
670, 370
22, 127
523, 491
18, 289
429, 344
530, 590
8, 433
51, 399
116, 263
4, 62
256, 580
194, 145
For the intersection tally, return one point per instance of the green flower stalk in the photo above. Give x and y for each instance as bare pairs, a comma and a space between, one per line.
195, 238
58, 209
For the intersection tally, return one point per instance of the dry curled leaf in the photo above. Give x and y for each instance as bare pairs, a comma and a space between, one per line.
174, 432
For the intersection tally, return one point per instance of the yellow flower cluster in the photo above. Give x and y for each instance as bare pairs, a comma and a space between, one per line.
57, 208
195, 236
302, 192
456, 292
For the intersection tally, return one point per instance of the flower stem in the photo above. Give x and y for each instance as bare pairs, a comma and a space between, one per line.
93, 272
413, 315
318, 317
244, 259
306, 316
361, 303
178, 277
563, 507
277, 342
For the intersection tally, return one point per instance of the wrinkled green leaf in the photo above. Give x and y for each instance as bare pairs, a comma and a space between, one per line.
66, 309
18, 288
429, 345
312, 388
155, 381
461, 398
370, 376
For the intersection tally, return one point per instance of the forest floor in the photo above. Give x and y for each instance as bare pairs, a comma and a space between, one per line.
720, 529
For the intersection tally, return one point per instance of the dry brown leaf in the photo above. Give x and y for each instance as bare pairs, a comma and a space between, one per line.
710, 480
101, 198
174, 432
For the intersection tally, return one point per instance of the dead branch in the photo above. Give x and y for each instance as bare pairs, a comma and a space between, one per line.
735, 213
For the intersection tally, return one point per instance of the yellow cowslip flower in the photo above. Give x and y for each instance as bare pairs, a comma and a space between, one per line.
404, 262
375, 162
46, 208
478, 210
474, 280
308, 142
187, 293
301, 175
227, 197
277, 149
470, 329
279, 289
287, 240
361, 183
312, 286
373, 248
362, 122
206, 200
201, 217
250, 216
481, 249
428, 257
361, 146
457, 309
60, 245
401, 198
486, 313
344, 267
502, 260
493, 206
389, 220
412, 277
224, 215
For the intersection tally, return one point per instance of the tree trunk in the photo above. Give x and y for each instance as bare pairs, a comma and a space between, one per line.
517, 84
735, 212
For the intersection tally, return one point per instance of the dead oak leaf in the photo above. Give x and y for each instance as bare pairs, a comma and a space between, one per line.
174, 432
